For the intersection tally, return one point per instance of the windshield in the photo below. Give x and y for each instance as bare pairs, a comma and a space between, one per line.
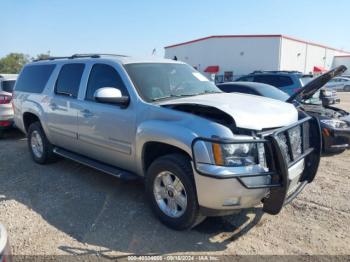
8, 85
157, 81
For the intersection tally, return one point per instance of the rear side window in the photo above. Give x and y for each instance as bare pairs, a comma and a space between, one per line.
274, 80
68, 80
8, 85
102, 75
34, 78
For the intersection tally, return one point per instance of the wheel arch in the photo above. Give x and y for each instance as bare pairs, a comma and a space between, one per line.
28, 119
154, 149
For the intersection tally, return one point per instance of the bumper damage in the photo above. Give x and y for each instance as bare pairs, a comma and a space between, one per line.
220, 190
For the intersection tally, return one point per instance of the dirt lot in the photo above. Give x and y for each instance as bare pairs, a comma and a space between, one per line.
66, 208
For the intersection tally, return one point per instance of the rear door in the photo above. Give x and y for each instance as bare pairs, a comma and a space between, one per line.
106, 131
63, 108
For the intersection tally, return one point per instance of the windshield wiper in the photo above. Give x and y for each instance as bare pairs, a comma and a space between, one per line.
184, 95
171, 96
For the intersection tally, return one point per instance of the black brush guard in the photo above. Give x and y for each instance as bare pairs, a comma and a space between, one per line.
278, 165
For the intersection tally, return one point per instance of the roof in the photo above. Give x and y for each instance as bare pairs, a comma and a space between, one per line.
255, 36
100, 57
342, 56
319, 69
212, 69
255, 85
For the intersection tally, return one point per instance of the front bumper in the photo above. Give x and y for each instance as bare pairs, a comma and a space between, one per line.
326, 101
335, 139
219, 189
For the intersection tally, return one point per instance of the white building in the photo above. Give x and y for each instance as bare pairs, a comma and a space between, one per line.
242, 54
342, 60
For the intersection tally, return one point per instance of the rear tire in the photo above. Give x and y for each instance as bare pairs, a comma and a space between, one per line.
178, 208
39, 146
347, 88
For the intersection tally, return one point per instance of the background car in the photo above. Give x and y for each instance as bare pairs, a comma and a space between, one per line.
4, 245
339, 83
288, 81
335, 123
7, 83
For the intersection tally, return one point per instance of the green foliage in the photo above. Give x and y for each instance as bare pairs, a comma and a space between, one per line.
42, 56
13, 63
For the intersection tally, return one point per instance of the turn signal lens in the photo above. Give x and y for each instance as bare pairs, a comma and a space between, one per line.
326, 132
219, 160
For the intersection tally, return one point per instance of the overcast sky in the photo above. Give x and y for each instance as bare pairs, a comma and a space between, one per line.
136, 27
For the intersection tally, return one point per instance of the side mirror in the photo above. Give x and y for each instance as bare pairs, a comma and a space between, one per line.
111, 95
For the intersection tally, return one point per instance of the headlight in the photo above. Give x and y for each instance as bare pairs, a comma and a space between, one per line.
335, 123
238, 155
327, 93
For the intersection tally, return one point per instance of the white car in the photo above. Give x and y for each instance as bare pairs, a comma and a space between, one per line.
339, 83
5, 255
7, 82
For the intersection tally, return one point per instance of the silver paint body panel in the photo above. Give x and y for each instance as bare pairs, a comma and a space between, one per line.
117, 136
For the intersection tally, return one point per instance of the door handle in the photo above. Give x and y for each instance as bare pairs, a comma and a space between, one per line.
53, 106
86, 113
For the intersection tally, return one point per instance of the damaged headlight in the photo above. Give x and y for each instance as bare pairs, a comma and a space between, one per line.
335, 123
238, 155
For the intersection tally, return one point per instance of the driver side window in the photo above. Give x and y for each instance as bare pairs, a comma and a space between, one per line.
103, 75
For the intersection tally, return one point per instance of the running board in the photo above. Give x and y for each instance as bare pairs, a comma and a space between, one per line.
108, 169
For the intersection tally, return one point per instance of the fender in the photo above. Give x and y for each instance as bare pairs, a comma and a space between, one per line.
163, 132
31, 106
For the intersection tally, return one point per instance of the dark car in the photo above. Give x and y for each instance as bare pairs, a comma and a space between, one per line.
335, 122
4, 245
289, 82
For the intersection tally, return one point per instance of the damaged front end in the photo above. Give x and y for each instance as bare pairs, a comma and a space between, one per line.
291, 159
208, 112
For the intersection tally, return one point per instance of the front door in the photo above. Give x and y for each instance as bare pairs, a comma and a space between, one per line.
106, 132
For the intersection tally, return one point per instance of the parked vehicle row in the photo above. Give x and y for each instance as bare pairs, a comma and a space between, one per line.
339, 84
288, 81
335, 122
201, 152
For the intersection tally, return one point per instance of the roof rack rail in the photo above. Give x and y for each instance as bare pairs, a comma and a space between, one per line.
77, 56
275, 72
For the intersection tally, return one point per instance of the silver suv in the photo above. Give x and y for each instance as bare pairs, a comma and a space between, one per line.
201, 152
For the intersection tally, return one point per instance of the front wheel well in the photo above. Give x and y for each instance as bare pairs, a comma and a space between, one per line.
154, 150
28, 119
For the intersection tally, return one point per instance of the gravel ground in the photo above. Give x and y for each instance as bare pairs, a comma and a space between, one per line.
66, 208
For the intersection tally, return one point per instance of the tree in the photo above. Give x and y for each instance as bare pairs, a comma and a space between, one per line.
13, 63
42, 56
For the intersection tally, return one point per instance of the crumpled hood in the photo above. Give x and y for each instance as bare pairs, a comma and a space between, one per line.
248, 111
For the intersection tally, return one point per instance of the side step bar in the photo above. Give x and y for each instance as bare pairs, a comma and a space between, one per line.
108, 169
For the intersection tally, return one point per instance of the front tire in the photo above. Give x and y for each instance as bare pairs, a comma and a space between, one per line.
347, 88
171, 191
39, 146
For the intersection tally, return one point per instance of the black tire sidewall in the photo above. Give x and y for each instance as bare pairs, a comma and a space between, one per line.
347, 88
181, 167
47, 147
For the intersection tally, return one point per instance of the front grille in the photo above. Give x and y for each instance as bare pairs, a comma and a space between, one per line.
294, 142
